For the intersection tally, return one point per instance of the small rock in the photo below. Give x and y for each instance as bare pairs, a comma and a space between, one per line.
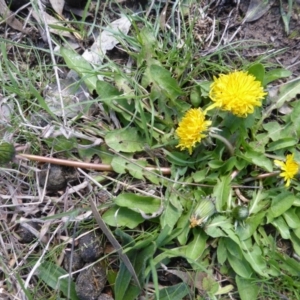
90, 247
103, 196
77, 262
91, 282
26, 236
58, 177
105, 297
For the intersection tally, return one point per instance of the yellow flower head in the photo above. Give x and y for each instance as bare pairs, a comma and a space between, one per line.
290, 168
237, 92
191, 129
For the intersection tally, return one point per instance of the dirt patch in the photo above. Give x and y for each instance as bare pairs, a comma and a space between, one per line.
269, 30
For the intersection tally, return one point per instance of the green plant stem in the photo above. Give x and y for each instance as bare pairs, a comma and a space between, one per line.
225, 141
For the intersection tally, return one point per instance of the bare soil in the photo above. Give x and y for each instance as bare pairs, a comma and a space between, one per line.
269, 30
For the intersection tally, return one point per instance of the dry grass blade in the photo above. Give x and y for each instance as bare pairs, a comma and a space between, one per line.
114, 242
78, 164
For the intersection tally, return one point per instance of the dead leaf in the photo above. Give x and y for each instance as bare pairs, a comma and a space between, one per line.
10, 17
107, 40
256, 9
58, 6
51, 21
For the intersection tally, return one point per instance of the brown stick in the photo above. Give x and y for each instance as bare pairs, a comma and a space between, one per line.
80, 164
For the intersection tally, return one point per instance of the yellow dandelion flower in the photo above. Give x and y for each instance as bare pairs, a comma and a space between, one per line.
191, 129
237, 92
290, 168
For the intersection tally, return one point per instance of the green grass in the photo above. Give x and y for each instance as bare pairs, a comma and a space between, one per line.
147, 86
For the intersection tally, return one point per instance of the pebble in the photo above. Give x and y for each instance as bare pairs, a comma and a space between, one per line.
25, 235
58, 177
90, 247
90, 282
77, 262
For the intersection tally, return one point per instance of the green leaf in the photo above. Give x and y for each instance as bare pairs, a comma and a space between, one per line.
149, 44
296, 243
163, 236
240, 266
124, 288
292, 218
106, 91
152, 176
297, 232
295, 114
77, 63
258, 71
163, 81
247, 288
222, 191
136, 202
87, 153
274, 130
224, 290
122, 216
275, 74
282, 227
123, 280
119, 164
183, 223
282, 143
50, 273
125, 238
210, 285
233, 236
288, 264
195, 248
172, 212
259, 201
221, 251
195, 96
257, 158
125, 140
280, 204
199, 175
174, 292
233, 248
205, 87
287, 92
61, 143
254, 256
136, 169
214, 228
246, 230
